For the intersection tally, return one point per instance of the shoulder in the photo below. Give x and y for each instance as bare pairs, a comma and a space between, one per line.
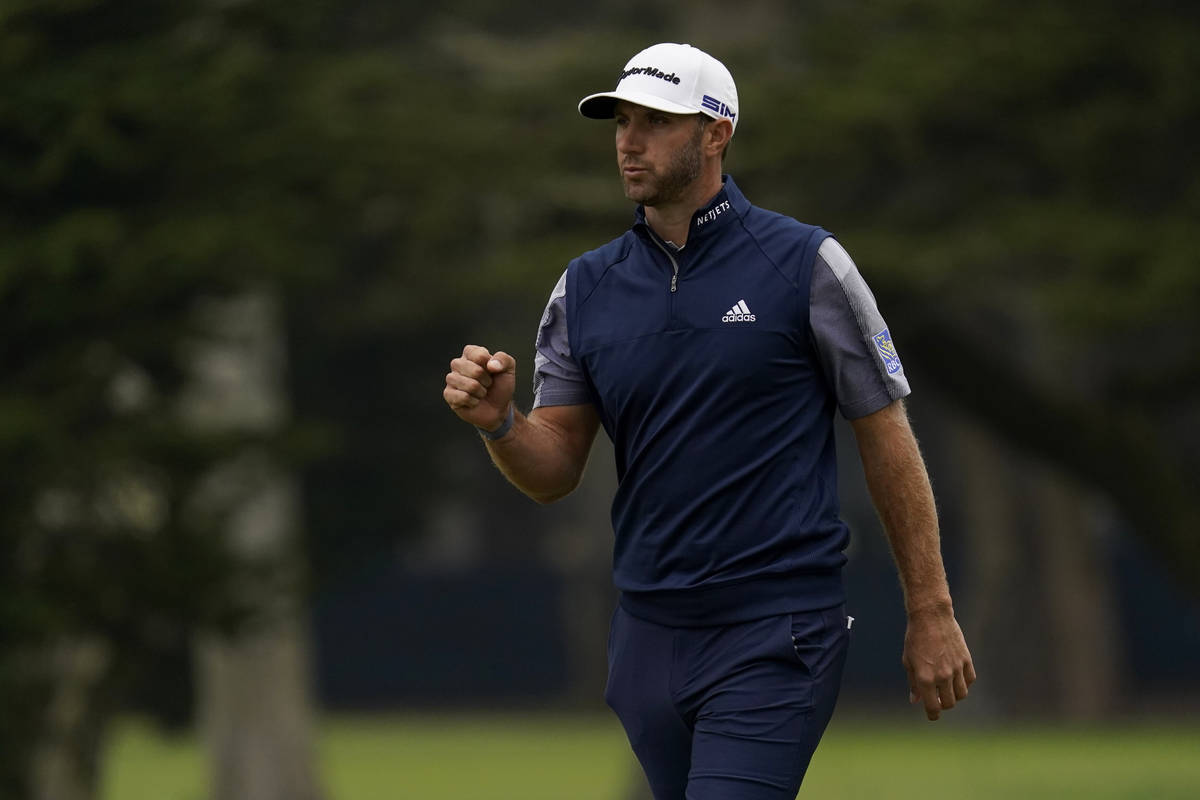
762, 222
790, 244
606, 254
586, 270
834, 256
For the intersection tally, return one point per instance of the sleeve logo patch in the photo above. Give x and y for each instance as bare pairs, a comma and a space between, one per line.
887, 351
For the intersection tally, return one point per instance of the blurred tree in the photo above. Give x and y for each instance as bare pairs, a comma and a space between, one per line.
94, 276
147, 161
1023, 186
253, 682
153, 156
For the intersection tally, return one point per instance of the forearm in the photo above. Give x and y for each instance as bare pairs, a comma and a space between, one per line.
542, 454
903, 497
935, 654
538, 457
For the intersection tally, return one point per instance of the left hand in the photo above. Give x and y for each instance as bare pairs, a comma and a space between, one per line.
937, 660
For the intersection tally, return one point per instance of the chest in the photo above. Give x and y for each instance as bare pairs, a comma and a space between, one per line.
705, 289
734, 327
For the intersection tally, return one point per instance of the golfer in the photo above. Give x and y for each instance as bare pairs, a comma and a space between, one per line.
714, 341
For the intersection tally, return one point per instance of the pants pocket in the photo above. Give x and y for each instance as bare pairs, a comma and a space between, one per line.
820, 639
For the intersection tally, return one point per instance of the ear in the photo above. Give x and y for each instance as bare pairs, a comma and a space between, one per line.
717, 135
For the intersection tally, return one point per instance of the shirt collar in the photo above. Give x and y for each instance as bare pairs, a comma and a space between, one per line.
718, 212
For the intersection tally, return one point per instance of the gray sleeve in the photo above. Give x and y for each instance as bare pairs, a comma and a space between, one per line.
557, 379
861, 365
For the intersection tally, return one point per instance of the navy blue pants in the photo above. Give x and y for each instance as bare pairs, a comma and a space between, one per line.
730, 712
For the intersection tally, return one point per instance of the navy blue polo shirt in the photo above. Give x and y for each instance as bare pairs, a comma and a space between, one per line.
716, 369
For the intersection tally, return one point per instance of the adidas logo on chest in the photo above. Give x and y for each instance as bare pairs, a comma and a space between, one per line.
739, 313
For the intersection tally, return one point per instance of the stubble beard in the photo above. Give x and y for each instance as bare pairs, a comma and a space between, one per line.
682, 170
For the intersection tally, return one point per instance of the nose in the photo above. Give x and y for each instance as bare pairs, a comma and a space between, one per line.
630, 138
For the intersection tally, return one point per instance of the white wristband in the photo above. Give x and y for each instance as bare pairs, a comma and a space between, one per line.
504, 428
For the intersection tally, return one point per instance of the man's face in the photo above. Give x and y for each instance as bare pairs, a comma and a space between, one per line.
658, 154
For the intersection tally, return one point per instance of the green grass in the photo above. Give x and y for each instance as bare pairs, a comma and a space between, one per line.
927, 761
454, 758
554, 757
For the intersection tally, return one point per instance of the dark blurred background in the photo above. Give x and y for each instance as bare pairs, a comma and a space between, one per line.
242, 239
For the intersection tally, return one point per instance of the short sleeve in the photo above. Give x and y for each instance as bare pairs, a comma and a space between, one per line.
852, 339
557, 379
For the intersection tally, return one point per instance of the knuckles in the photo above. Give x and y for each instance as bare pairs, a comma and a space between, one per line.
476, 354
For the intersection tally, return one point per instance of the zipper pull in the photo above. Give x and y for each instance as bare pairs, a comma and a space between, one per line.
674, 281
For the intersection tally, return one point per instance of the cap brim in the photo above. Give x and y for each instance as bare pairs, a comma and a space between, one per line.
600, 106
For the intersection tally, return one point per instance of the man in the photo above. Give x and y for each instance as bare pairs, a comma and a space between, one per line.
713, 341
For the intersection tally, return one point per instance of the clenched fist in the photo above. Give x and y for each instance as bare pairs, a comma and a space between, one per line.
480, 385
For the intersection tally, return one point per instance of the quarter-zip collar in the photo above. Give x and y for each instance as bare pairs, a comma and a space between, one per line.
729, 203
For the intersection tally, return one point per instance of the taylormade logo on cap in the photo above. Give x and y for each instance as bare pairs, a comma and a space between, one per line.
677, 78
658, 73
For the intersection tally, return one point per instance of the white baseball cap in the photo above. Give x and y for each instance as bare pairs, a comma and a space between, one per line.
677, 78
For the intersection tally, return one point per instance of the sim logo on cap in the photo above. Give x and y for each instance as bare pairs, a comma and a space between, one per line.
717, 107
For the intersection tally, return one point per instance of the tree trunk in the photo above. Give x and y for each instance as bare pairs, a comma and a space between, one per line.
988, 601
255, 707
1081, 606
65, 754
1039, 599
253, 691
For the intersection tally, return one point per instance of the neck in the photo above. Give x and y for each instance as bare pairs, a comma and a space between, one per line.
672, 221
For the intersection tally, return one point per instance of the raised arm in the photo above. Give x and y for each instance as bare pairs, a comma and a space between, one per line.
935, 655
542, 454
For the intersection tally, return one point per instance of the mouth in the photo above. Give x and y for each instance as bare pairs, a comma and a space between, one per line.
631, 171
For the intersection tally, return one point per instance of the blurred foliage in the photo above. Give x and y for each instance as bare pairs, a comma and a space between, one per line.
1019, 184
124, 204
